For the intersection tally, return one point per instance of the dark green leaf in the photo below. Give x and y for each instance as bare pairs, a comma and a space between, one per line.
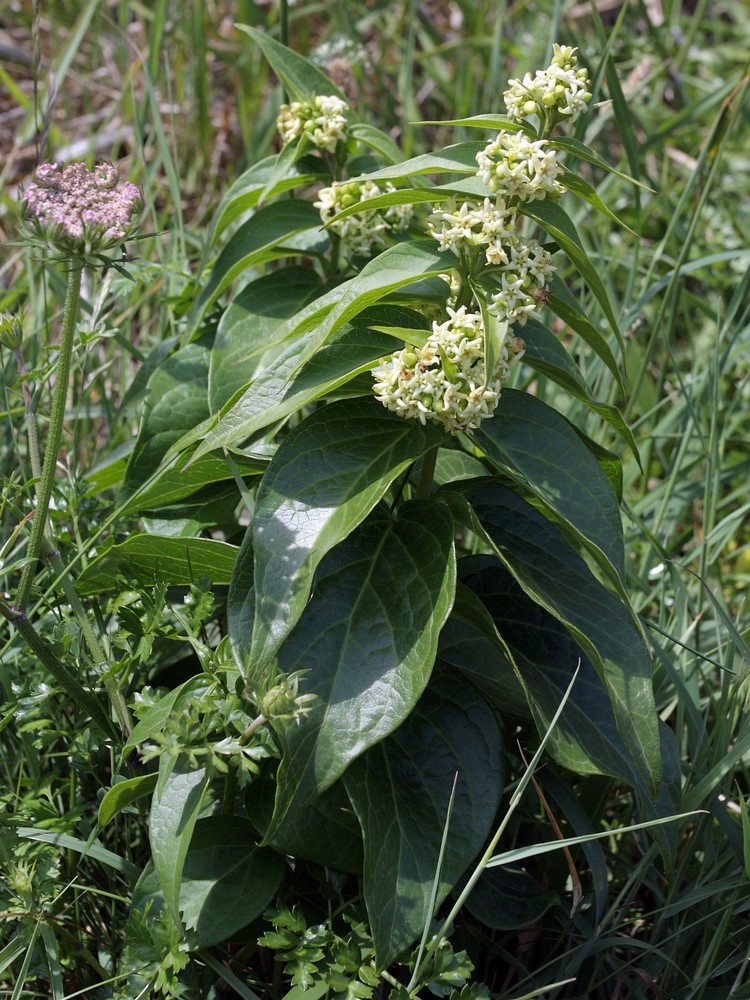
372, 137
400, 790
169, 559
176, 400
367, 640
555, 577
324, 480
226, 881
326, 832
249, 325
537, 448
507, 899
258, 239
555, 220
546, 355
567, 308
576, 148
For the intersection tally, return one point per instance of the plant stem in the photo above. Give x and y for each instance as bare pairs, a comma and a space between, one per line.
427, 474
57, 414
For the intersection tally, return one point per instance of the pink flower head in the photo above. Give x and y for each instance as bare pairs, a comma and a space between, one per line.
79, 211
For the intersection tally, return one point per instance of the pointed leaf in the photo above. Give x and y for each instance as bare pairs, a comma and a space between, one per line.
460, 158
372, 137
175, 808
391, 270
300, 78
276, 393
146, 557
245, 192
537, 447
367, 640
567, 308
122, 794
555, 220
325, 478
546, 355
507, 899
567, 145
555, 577
584, 190
255, 241
400, 790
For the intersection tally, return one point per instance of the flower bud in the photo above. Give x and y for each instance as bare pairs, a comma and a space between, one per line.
11, 331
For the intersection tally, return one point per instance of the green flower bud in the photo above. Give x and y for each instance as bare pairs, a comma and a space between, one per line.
11, 331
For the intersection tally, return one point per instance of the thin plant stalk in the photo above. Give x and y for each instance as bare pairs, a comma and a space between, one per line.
57, 414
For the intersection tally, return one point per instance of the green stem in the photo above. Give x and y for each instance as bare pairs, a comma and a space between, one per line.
57, 415
64, 677
427, 474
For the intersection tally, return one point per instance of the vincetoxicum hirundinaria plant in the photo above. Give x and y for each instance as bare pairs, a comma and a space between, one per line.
429, 554
78, 214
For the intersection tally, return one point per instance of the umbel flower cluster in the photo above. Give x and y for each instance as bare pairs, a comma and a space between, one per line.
365, 231
446, 381
77, 211
323, 121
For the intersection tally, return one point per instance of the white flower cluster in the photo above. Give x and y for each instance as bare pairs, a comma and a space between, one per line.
523, 278
323, 121
561, 87
516, 166
445, 381
365, 231
466, 226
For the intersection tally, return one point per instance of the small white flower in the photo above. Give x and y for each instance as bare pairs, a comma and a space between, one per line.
561, 86
518, 167
445, 381
366, 231
323, 121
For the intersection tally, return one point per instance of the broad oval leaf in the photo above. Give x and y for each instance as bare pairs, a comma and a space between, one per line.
460, 158
367, 641
507, 899
326, 832
227, 880
326, 477
401, 789
538, 448
120, 795
176, 400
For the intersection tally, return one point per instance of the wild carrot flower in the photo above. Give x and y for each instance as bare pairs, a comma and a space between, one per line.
79, 212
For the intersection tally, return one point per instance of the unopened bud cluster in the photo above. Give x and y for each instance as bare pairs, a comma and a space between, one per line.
365, 231
560, 88
446, 381
323, 121
78, 211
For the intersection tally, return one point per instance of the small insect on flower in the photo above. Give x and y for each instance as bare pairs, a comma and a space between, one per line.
79, 212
